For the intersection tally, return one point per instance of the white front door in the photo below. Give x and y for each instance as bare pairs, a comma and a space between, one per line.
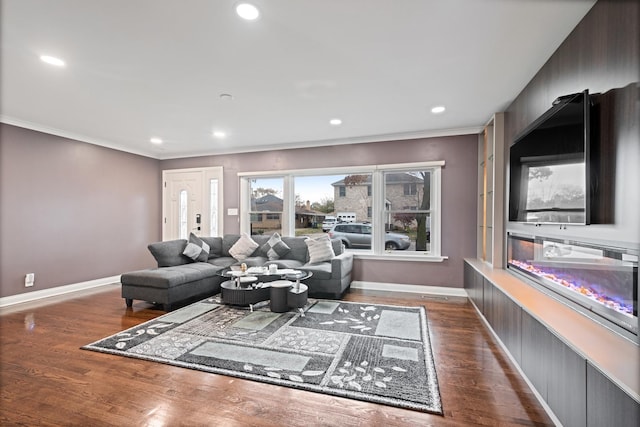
192, 203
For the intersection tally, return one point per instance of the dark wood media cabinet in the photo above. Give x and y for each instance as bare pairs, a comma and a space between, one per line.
585, 373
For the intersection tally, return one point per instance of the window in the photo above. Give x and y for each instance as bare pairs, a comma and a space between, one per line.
184, 208
386, 210
266, 205
409, 212
410, 189
213, 207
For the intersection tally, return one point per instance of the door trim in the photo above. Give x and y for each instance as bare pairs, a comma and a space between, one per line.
208, 173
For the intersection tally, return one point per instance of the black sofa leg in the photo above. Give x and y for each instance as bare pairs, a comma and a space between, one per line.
129, 302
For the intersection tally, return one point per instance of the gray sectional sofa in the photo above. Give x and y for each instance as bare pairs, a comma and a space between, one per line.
179, 278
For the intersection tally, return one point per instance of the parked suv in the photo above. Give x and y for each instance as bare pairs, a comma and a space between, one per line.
328, 223
358, 235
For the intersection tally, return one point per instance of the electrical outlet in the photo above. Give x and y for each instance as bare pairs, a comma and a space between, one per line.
29, 279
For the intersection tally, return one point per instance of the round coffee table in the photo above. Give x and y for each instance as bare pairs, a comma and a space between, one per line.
283, 289
233, 294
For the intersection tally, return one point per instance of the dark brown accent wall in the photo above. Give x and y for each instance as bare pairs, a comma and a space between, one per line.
602, 55
71, 211
459, 186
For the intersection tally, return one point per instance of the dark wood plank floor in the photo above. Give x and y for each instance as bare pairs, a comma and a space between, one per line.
46, 380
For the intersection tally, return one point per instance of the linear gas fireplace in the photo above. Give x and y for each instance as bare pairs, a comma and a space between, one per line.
600, 281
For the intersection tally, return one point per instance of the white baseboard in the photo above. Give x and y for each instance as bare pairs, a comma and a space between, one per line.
58, 290
414, 289
373, 286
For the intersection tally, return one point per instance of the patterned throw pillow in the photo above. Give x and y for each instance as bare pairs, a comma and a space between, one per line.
243, 248
320, 249
196, 249
275, 248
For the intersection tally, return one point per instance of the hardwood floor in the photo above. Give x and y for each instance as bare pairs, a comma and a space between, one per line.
46, 380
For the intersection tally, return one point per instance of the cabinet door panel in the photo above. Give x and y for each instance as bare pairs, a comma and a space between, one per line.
507, 322
608, 405
536, 350
479, 292
487, 304
473, 284
567, 382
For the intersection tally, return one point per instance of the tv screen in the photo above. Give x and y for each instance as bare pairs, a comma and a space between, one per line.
549, 166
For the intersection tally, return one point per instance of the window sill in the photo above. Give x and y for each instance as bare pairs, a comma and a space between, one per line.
399, 257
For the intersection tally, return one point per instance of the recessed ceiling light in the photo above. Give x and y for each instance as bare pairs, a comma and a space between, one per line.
226, 97
156, 141
437, 110
247, 11
219, 134
52, 60
335, 122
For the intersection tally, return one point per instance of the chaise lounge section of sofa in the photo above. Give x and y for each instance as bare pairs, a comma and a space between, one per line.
180, 278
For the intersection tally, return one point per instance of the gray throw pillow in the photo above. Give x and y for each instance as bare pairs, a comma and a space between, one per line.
196, 249
275, 248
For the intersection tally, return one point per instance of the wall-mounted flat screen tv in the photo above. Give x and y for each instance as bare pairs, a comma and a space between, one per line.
549, 165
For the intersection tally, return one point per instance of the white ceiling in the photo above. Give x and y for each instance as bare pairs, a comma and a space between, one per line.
138, 69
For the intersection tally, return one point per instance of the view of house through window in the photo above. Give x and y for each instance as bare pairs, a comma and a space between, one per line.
266, 205
376, 211
407, 207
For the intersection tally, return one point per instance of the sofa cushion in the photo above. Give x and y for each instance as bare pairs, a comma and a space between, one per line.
287, 263
228, 240
255, 261
215, 246
320, 249
338, 246
243, 248
222, 261
169, 253
275, 248
168, 277
320, 271
298, 251
196, 249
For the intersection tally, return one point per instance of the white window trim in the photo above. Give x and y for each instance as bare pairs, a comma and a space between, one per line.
377, 252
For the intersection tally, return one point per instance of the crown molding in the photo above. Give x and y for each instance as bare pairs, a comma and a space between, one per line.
71, 135
340, 141
284, 146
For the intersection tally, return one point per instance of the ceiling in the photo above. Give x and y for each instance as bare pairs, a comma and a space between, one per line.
157, 68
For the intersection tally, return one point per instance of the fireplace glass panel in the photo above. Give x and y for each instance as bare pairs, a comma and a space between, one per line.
601, 279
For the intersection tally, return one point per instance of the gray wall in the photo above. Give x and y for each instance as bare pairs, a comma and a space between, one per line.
601, 54
459, 178
71, 211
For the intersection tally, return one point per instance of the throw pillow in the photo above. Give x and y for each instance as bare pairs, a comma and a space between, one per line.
320, 249
275, 248
197, 249
243, 248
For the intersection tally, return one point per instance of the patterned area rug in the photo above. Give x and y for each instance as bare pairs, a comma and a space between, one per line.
375, 353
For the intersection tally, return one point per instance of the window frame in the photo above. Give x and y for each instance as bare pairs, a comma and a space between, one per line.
378, 207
